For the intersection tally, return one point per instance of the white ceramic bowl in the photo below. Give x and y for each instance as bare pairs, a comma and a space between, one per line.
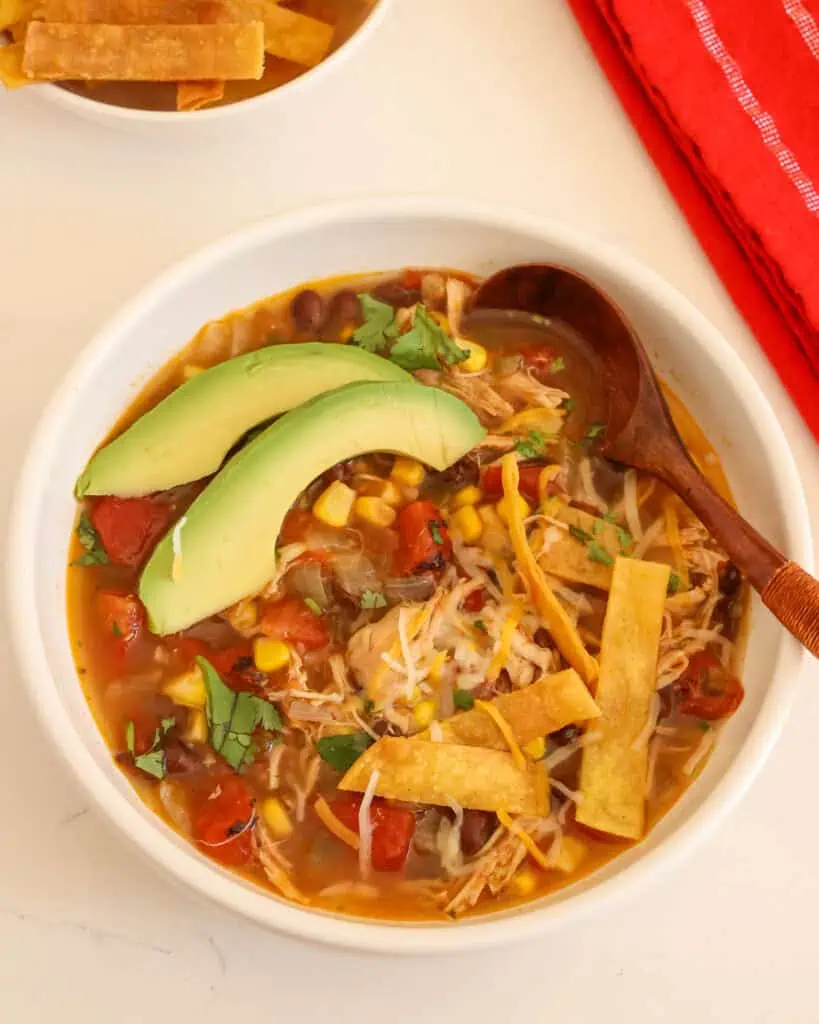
130, 118
373, 235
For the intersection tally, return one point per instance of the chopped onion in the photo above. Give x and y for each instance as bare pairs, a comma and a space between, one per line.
326, 538
307, 580
355, 574
409, 588
172, 796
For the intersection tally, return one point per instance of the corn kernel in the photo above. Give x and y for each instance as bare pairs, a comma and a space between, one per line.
244, 615
494, 534
408, 471
535, 748
190, 370
390, 493
196, 727
469, 495
524, 882
477, 358
503, 508
436, 667
375, 511
545, 477
467, 524
270, 655
187, 689
424, 713
441, 319
334, 505
276, 817
570, 854
346, 333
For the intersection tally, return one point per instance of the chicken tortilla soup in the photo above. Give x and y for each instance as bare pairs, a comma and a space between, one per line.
363, 614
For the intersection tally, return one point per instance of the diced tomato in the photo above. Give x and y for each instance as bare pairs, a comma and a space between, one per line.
538, 357
220, 820
122, 615
393, 828
475, 601
290, 619
412, 278
529, 472
234, 664
423, 539
129, 527
297, 523
708, 690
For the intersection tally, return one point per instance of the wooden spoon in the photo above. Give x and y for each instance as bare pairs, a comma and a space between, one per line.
640, 432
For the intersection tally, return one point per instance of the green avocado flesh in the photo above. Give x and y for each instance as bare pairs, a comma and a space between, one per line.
226, 545
188, 434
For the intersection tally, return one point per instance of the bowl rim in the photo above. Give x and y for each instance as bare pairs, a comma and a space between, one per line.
93, 109
220, 886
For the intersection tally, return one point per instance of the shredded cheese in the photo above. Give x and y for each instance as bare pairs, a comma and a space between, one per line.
176, 547
505, 730
645, 734
702, 751
672, 533
554, 615
436, 733
332, 824
531, 846
504, 645
631, 509
365, 827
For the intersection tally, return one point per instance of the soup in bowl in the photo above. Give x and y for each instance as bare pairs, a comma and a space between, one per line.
371, 633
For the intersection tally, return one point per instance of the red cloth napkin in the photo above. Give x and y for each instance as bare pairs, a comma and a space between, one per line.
725, 96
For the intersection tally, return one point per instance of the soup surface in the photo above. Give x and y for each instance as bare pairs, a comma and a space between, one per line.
439, 689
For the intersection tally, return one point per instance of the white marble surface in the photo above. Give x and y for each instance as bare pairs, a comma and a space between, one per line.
490, 100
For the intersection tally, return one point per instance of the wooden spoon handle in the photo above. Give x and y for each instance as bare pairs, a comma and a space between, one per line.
787, 590
793, 596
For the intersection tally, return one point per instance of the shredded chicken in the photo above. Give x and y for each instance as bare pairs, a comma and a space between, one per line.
457, 292
490, 408
492, 870
274, 864
523, 387
368, 646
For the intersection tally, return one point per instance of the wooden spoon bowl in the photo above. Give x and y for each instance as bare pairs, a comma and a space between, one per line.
640, 432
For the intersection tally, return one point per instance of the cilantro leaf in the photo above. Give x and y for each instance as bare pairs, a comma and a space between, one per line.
480, 624
152, 762
463, 699
625, 538
233, 718
582, 535
115, 629
426, 345
674, 582
372, 599
435, 531
314, 606
569, 404
342, 752
379, 327
557, 365
705, 726
597, 553
592, 434
532, 446
95, 553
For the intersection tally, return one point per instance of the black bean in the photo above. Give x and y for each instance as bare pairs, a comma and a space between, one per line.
181, 760
394, 293
568, 734
460, 474
729, 579
309, 312
344, 308
542, 637
476, 829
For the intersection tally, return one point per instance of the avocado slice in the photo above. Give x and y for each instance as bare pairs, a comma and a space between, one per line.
189, 433
225, 547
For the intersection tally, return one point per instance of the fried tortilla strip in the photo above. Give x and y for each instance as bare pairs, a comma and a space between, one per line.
12, 12
544, 707
11, 66
568, 557
287, 34
143, 53
613, 770
195, 95
131, 12
438, 773
552, 612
